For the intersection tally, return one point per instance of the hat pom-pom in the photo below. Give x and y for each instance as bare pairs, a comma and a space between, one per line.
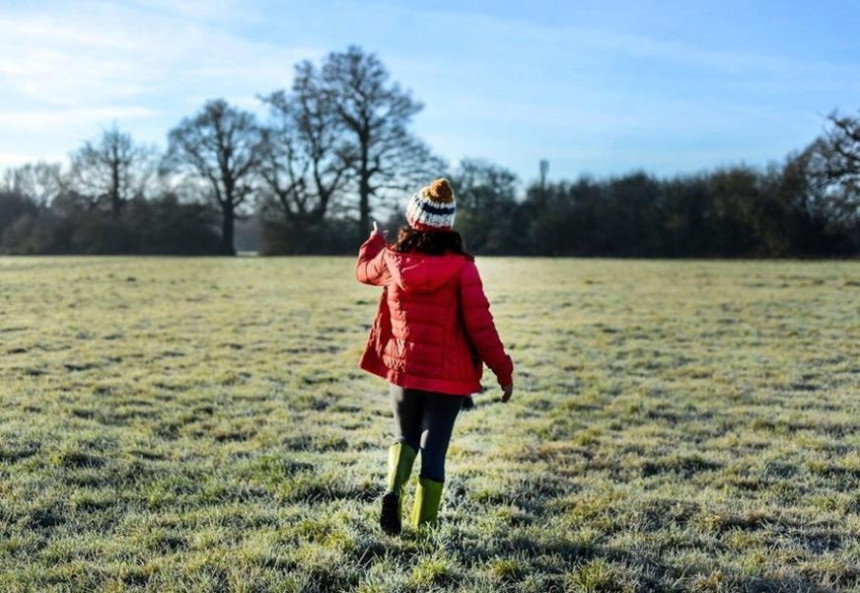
440, 191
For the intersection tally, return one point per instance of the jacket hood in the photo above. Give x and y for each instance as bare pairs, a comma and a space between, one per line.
418, 272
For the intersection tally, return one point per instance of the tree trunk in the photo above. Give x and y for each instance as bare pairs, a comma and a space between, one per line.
364, 196
114, 193
228, 216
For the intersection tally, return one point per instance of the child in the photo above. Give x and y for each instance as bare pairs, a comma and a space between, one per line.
432, 334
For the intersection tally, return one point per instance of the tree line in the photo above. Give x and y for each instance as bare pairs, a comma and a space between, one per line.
337, 148
808, 206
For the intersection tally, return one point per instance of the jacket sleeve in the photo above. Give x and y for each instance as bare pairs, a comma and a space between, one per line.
479, 324
370, 267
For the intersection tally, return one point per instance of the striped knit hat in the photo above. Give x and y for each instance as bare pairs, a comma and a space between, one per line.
432, 208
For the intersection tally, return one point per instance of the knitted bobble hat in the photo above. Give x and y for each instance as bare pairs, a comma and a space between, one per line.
432, 208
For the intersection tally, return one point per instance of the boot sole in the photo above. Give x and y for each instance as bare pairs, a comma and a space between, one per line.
389, 519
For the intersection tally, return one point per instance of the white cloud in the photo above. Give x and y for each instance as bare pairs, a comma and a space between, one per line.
205, 10
32, 121
69, 70
15, 159
101, 53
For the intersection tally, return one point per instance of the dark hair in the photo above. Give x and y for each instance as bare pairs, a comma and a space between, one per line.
429, 242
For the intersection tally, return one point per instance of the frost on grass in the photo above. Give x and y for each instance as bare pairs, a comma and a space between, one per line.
200, 425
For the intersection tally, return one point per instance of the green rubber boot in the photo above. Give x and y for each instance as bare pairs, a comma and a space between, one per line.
428, 497
401, 456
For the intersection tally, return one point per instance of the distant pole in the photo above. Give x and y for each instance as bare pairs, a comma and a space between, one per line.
544, 169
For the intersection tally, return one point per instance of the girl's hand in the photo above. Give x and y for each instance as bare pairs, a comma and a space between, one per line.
507, 392
376, 231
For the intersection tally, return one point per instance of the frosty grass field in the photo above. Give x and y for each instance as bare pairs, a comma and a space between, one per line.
201, 425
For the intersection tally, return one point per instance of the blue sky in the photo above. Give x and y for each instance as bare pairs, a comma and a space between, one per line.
596, 87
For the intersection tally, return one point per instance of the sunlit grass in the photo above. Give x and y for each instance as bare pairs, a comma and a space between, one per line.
201, 425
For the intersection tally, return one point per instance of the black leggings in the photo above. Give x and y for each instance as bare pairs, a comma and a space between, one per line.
425, 420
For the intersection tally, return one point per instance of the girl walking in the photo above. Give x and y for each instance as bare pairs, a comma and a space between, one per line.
432, 334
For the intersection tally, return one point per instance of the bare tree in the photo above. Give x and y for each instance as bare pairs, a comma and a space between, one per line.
222, 147
112, 170
843, 161
41, 182
844, 139
374, 114
304, 165
833, 167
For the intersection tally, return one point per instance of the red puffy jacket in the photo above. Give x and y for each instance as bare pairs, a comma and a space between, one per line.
433, 330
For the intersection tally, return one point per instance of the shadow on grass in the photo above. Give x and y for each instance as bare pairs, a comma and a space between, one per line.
563, 561
556, 555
